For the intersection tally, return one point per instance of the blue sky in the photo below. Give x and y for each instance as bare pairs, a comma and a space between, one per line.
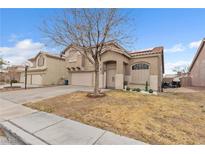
178, 30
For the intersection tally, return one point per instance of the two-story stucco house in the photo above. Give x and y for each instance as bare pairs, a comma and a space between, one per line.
197, 68
47, 69
118, 67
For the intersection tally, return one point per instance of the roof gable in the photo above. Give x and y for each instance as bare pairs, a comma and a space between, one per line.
47, 55
108, 46
151, 51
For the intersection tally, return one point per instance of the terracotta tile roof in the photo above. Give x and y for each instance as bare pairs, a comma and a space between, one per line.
156, 50
146, 52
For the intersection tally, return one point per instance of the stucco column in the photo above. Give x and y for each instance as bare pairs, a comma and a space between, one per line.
119, 77
101, 76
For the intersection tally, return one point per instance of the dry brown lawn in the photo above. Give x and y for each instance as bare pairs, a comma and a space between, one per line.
170, 118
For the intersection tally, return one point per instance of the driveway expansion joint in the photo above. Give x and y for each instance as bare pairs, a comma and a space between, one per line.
99, 138
47, 126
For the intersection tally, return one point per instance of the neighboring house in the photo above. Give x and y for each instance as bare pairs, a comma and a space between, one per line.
3, 74
118, 67
168, 78
11, 73
183, 78
47, 69
197, 68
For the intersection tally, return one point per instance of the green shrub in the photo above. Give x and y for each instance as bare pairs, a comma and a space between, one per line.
128, 89
150, 91
138, 89
146, 86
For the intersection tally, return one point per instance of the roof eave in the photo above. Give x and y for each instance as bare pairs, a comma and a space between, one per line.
197, 54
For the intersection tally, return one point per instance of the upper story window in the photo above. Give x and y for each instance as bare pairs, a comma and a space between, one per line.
140, 66
41, 61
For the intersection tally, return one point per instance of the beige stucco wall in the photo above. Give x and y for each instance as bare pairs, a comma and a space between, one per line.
198, 70
123, 67
78, 60
155, 68
56, 71
53, 72
120, 61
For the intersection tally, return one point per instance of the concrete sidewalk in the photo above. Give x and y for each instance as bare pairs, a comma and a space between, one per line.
34, 127
45, 128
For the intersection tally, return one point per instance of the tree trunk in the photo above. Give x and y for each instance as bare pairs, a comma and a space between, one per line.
96, 88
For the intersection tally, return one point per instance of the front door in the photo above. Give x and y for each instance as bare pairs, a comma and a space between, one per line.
111, 78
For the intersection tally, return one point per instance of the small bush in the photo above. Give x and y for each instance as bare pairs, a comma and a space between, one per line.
134, 89
128, 89
150, 91
138, 89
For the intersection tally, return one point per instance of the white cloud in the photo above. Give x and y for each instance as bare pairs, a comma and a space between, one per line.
194, 44
21, 51
171, 65
176, 48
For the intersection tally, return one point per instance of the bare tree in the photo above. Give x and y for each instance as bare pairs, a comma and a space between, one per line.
182, 69
12, 73
87, 30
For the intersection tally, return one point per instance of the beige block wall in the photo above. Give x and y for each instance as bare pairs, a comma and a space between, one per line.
198, 70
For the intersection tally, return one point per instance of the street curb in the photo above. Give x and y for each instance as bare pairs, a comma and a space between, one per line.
19, 135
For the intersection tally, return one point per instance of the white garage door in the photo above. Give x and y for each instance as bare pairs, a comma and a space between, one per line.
81, 79
36, 79
140, 73
29, 79
140, 76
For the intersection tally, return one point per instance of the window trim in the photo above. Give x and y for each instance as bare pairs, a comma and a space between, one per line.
41, 56
140, 66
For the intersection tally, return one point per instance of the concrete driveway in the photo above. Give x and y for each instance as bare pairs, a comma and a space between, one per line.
23, 96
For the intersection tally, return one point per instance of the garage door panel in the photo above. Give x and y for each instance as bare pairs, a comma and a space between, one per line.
28, 79
82, 79
140, 76
36, 79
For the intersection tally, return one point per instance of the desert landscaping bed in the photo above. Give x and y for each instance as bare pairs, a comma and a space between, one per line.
169, 118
